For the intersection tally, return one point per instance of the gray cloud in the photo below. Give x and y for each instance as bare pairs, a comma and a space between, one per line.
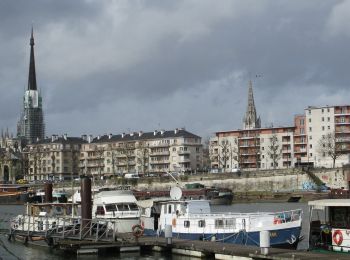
114, 66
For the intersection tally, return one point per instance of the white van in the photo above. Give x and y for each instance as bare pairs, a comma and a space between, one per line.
131, 176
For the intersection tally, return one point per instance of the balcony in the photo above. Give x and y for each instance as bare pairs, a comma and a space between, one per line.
183, 152
287, 151
301, 151
160, 162
160, 145
184, 160
343, 140
159, 153
248, 137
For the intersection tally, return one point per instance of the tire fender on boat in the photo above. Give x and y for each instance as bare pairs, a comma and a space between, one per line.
338, 237
173, 222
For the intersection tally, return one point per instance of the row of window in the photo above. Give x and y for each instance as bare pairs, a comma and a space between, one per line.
219, 223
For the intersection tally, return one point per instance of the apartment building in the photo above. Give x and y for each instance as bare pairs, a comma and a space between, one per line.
141, 152
328, 121
55, 158
262, 148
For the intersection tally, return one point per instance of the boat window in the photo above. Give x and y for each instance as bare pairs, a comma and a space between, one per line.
230, 223
186, 223
123, 207
340, 217
69, 210
133, 206
40, 225
111, 207
219, 223
169, 209
58, 210
201, 223
100, 210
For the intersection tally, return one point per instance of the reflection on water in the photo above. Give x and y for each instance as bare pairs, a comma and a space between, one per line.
16, 250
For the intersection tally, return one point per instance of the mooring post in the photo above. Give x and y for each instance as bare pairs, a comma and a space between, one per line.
264, 242
86, 204
48, 192
168, 234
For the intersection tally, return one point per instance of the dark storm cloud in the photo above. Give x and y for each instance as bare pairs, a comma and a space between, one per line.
137, 65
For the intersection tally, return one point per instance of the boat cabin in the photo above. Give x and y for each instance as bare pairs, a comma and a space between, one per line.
115, 204
330, 224
53, 209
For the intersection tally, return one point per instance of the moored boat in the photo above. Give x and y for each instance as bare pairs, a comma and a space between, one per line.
43, 218
194, 220
119, 206
330, 225
192, 191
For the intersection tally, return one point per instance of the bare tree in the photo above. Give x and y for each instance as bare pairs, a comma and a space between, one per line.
207, 158
224, 155
328, 146
114, 158
234, 153
274, 150
143, 156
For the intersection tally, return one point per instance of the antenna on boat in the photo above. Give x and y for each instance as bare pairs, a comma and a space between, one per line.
175, 193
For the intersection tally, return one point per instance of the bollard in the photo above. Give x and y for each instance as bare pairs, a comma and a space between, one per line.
168, 234
264, 242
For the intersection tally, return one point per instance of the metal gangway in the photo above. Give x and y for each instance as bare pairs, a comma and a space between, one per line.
97, 230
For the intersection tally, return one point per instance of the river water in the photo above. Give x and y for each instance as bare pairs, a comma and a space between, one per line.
16, 250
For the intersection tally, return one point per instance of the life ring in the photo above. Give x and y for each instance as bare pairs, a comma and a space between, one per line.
338, 237
137, 230
173, 222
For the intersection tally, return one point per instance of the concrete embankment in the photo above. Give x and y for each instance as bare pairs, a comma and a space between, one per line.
257, 185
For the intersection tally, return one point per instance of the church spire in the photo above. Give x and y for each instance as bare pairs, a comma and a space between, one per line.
251, 120
32, 75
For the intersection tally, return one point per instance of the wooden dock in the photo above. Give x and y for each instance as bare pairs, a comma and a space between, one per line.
200, 249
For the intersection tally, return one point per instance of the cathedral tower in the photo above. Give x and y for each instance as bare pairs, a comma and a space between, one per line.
251, 120
31, 124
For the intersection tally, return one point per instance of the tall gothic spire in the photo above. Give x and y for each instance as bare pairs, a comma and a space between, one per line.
251, 120
32, 76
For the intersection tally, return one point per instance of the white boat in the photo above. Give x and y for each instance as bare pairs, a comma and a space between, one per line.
194, 220
330, 225
119, 206
43, 218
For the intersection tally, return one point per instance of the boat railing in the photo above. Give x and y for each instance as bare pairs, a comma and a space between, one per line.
96, 229
285, 215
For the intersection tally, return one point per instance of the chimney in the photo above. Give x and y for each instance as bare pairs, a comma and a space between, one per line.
53, 138
98, 137
155, 132
162, 132
123, 134
89, 139
110, 136
84, 137
132, 134
176, 130
140, 133
65, 136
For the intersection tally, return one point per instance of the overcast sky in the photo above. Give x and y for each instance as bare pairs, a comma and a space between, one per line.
120, 66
